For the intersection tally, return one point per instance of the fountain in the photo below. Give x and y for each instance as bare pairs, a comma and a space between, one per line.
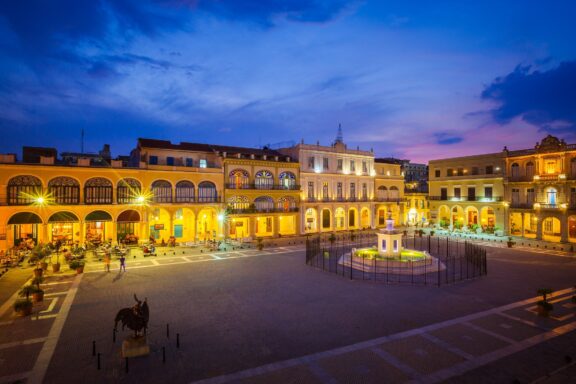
390, 256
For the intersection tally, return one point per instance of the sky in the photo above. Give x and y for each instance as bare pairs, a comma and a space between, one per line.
419, 80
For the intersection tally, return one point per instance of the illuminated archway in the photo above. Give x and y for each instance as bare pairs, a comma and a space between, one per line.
311, 220
365, 218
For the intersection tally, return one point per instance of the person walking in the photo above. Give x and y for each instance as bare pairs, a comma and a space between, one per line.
122, 263
107, 261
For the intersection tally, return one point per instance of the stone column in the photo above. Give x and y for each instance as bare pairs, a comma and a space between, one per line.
275, 225
564, 228
539, 228
522, 222
114, 231
81, 231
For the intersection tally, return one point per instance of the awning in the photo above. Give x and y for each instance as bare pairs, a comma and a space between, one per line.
129, 216
25, 218
63, 217
98, 216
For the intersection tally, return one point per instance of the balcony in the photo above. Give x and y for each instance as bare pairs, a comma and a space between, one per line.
517, 205
267, 187
387, 199
480, 199
238, 211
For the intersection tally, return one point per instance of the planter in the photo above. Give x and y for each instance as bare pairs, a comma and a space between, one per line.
23, 307
38, 297
44, 265
38, 272
510, 244
55, 268
79, 270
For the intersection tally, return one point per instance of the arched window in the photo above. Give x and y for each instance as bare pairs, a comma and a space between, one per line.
530, 170
184, 192
515, 170
394, 193
573, 167
351, 218
264, 180
238, 202
238, 179
64, 190
287, 204
23, 190
128, 191
264, 204
288, 180
98, 190
207, 192
325, 219
382, 193
162, 191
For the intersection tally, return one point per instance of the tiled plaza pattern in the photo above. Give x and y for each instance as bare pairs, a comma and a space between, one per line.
429, 354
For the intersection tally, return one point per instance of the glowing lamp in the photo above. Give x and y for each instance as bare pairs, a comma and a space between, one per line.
140, 199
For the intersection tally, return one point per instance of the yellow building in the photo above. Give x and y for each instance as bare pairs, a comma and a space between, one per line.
262, 193
417, 206
388, 192
541, 191
467, 193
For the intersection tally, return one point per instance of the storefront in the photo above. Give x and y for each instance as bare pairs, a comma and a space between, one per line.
63, 227
128, 227
96, 227
25, 227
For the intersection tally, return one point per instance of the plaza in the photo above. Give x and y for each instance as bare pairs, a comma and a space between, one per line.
252, 316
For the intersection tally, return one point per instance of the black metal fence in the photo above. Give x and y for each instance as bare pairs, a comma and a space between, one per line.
452, 260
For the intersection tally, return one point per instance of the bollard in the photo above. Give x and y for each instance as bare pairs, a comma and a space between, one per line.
163, 354
168, 330
93, 347
126, 365
177, 340
98, 360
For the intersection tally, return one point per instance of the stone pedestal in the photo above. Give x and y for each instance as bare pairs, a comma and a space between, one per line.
135, 346
389, 240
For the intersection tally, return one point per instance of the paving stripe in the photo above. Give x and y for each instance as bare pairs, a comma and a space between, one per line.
447, 346
51, 306
23, 342
41, 365
394, 361
369, 344
321, 374
489, 333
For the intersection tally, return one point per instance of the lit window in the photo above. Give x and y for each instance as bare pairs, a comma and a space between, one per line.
203, 163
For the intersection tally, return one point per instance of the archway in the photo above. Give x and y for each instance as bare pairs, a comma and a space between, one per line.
457, 217
516, 223
551, 229
444, 216
207, 224
339, 216
98, 227
184, 220
159, 223
326, 219
572, 228
472, 217
127, 228
487, 219
63, 226
25, 228
311, 220
352, 218
382, 212
365, 218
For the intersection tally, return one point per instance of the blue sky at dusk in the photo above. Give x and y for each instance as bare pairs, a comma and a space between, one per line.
413, 79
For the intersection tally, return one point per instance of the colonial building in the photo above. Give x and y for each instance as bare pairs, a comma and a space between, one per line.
389, 191
337, 186
468, 193
541, 190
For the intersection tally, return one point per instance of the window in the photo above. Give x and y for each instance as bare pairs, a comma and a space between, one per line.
530, 170
311, 162
339, 190
548, 225
471, 193
189, 162
22, 189
153, 160
264, 180
287, 180
353, 191
169, 160
128, 191
310, 190
474, 170
364, 167
352, 166
489, 169
162, 191
364, 191
551, 196
64, 190
515, 196
457, 193
185, 192
551, 166
488, 192
325, 163
325, 219
573, 167
450, 172
264, 204
515, 170
207, 192
339, 163
98, 191
325, 190
530, 196
238, 179
460, 171
443, 193
436, 173
573, 198
203, 163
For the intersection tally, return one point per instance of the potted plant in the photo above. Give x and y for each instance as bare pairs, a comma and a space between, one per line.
260, 243
431, 233
544, 306
23, 307
77, 264
420, 233
332, 239
510, 242
38, 294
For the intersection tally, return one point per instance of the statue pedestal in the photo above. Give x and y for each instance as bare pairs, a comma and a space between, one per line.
135, 346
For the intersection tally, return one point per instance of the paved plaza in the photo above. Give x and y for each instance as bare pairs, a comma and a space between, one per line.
249, 316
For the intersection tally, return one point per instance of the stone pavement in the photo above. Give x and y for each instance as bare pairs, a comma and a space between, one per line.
430, 354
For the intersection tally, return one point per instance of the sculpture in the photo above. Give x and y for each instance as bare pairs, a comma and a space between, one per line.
135, 317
